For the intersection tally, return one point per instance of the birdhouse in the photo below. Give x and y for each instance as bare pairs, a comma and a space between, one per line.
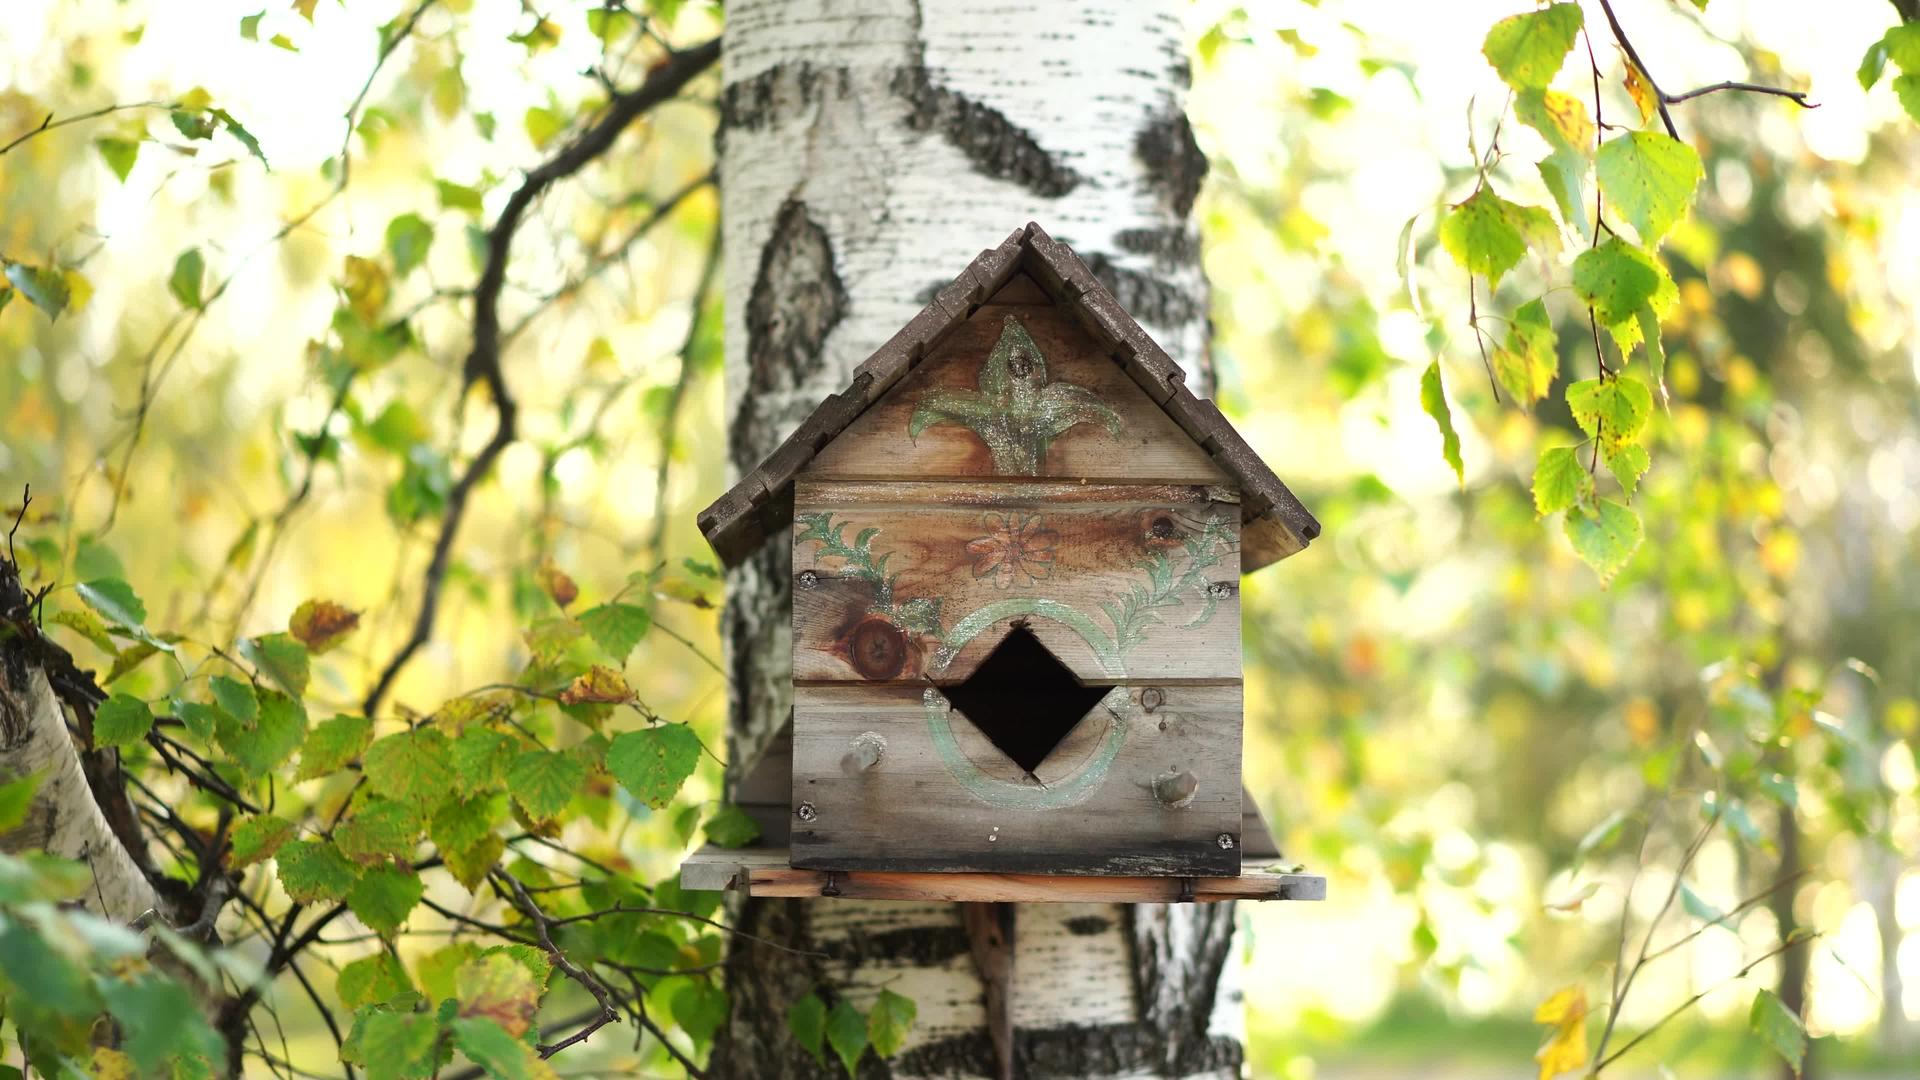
1017, 543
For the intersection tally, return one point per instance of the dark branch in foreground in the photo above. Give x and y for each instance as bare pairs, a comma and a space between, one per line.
1798, 97
1662, 99
483, 361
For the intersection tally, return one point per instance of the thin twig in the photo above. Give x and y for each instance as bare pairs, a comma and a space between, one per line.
1798, 97
1659, 99
49, 124
483, 360
1690, 1002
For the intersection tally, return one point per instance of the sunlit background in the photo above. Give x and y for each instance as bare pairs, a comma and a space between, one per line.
1442, 699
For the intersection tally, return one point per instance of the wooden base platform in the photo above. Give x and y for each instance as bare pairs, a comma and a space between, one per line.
765, 872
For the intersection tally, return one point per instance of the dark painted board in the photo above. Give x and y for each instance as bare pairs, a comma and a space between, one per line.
942, 797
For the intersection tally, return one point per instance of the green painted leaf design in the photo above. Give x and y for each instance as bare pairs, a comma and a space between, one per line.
1016, 412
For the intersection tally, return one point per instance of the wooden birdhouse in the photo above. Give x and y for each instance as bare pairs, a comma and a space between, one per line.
1017, 545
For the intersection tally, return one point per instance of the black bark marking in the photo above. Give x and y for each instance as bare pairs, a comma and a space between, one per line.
1144, 296
1072, 1050
1174, 164
796, 301
988, 138
1088, 925
1179, 1014
1172, 244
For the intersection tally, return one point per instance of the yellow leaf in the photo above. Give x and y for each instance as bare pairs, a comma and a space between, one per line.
1568, 1002
79, 291
600, 685
195, 99
1641, 92
555, 582
305, 8
1566, 1047
109, 1064
366, 287
320, 624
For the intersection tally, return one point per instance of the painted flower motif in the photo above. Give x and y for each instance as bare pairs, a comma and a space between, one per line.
1015, 547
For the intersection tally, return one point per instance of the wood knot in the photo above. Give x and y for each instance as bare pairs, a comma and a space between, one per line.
877, 648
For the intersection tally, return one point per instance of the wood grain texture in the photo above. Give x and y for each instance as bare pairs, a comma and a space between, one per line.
944, 798
1150, 444
766, 873
1122, 583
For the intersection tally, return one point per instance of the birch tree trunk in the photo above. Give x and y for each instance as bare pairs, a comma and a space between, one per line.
870, 149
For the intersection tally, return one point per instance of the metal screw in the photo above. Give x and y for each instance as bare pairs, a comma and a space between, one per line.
806, 812
1225, 840
806, 579
1220, 590
1152, 698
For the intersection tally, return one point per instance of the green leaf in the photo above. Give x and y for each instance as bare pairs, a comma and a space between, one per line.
159, 1019
281, 658
261, 747
462, 824
119, 154
1770, 1019
236, 699
617, 627
1691, 902
401, 1045
889, 1022
544, 782
458, 197
1559, 481
121, 721
1602, 834
500, 988
44, 289
653, 763
87, 625
115, 601
380, 830
1872, 64
250, 26
384, 897
1903, 46
1561, 119
409, 238
730, 827
1605, 537
543, 124
1650, 177
1528, 50
481, 758
847, 1034
1611, 410
1529, 360
414, 767
1656, 355
1627, 464
807, 1019
201, 720
332, 744
1907, 89
16, 798
240, 133
1618, 279
700, 1007
499, 1054
191, 124
1483, 235
259, 838
189, 272
371, 980
314, 870
1434, 401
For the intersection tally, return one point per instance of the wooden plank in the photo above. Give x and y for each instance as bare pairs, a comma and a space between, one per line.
942, 797
1135, 584
1148, 443
764, 872
1256, 840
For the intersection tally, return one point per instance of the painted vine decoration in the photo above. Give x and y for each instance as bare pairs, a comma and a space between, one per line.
1169, 584
1016, 412
921, 615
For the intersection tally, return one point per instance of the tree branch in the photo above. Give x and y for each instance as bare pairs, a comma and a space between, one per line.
483, 361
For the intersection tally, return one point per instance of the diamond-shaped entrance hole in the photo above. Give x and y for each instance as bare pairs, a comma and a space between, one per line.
1024, 699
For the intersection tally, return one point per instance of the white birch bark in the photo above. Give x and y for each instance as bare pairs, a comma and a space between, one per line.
870, 150
64, 819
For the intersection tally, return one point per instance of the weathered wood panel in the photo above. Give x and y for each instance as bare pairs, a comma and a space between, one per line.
1129, 791
920, 581
766, 873
1057, 405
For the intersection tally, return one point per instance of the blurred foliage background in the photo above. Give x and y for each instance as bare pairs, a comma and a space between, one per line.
1449, 715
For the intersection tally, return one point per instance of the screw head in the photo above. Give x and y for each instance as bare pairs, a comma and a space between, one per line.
806, 812
1152, 698
1225, 840
806, 579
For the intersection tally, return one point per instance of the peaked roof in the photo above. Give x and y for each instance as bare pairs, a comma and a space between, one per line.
1273, 523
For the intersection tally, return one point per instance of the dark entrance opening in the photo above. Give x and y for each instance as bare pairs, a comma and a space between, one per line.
1024, 699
